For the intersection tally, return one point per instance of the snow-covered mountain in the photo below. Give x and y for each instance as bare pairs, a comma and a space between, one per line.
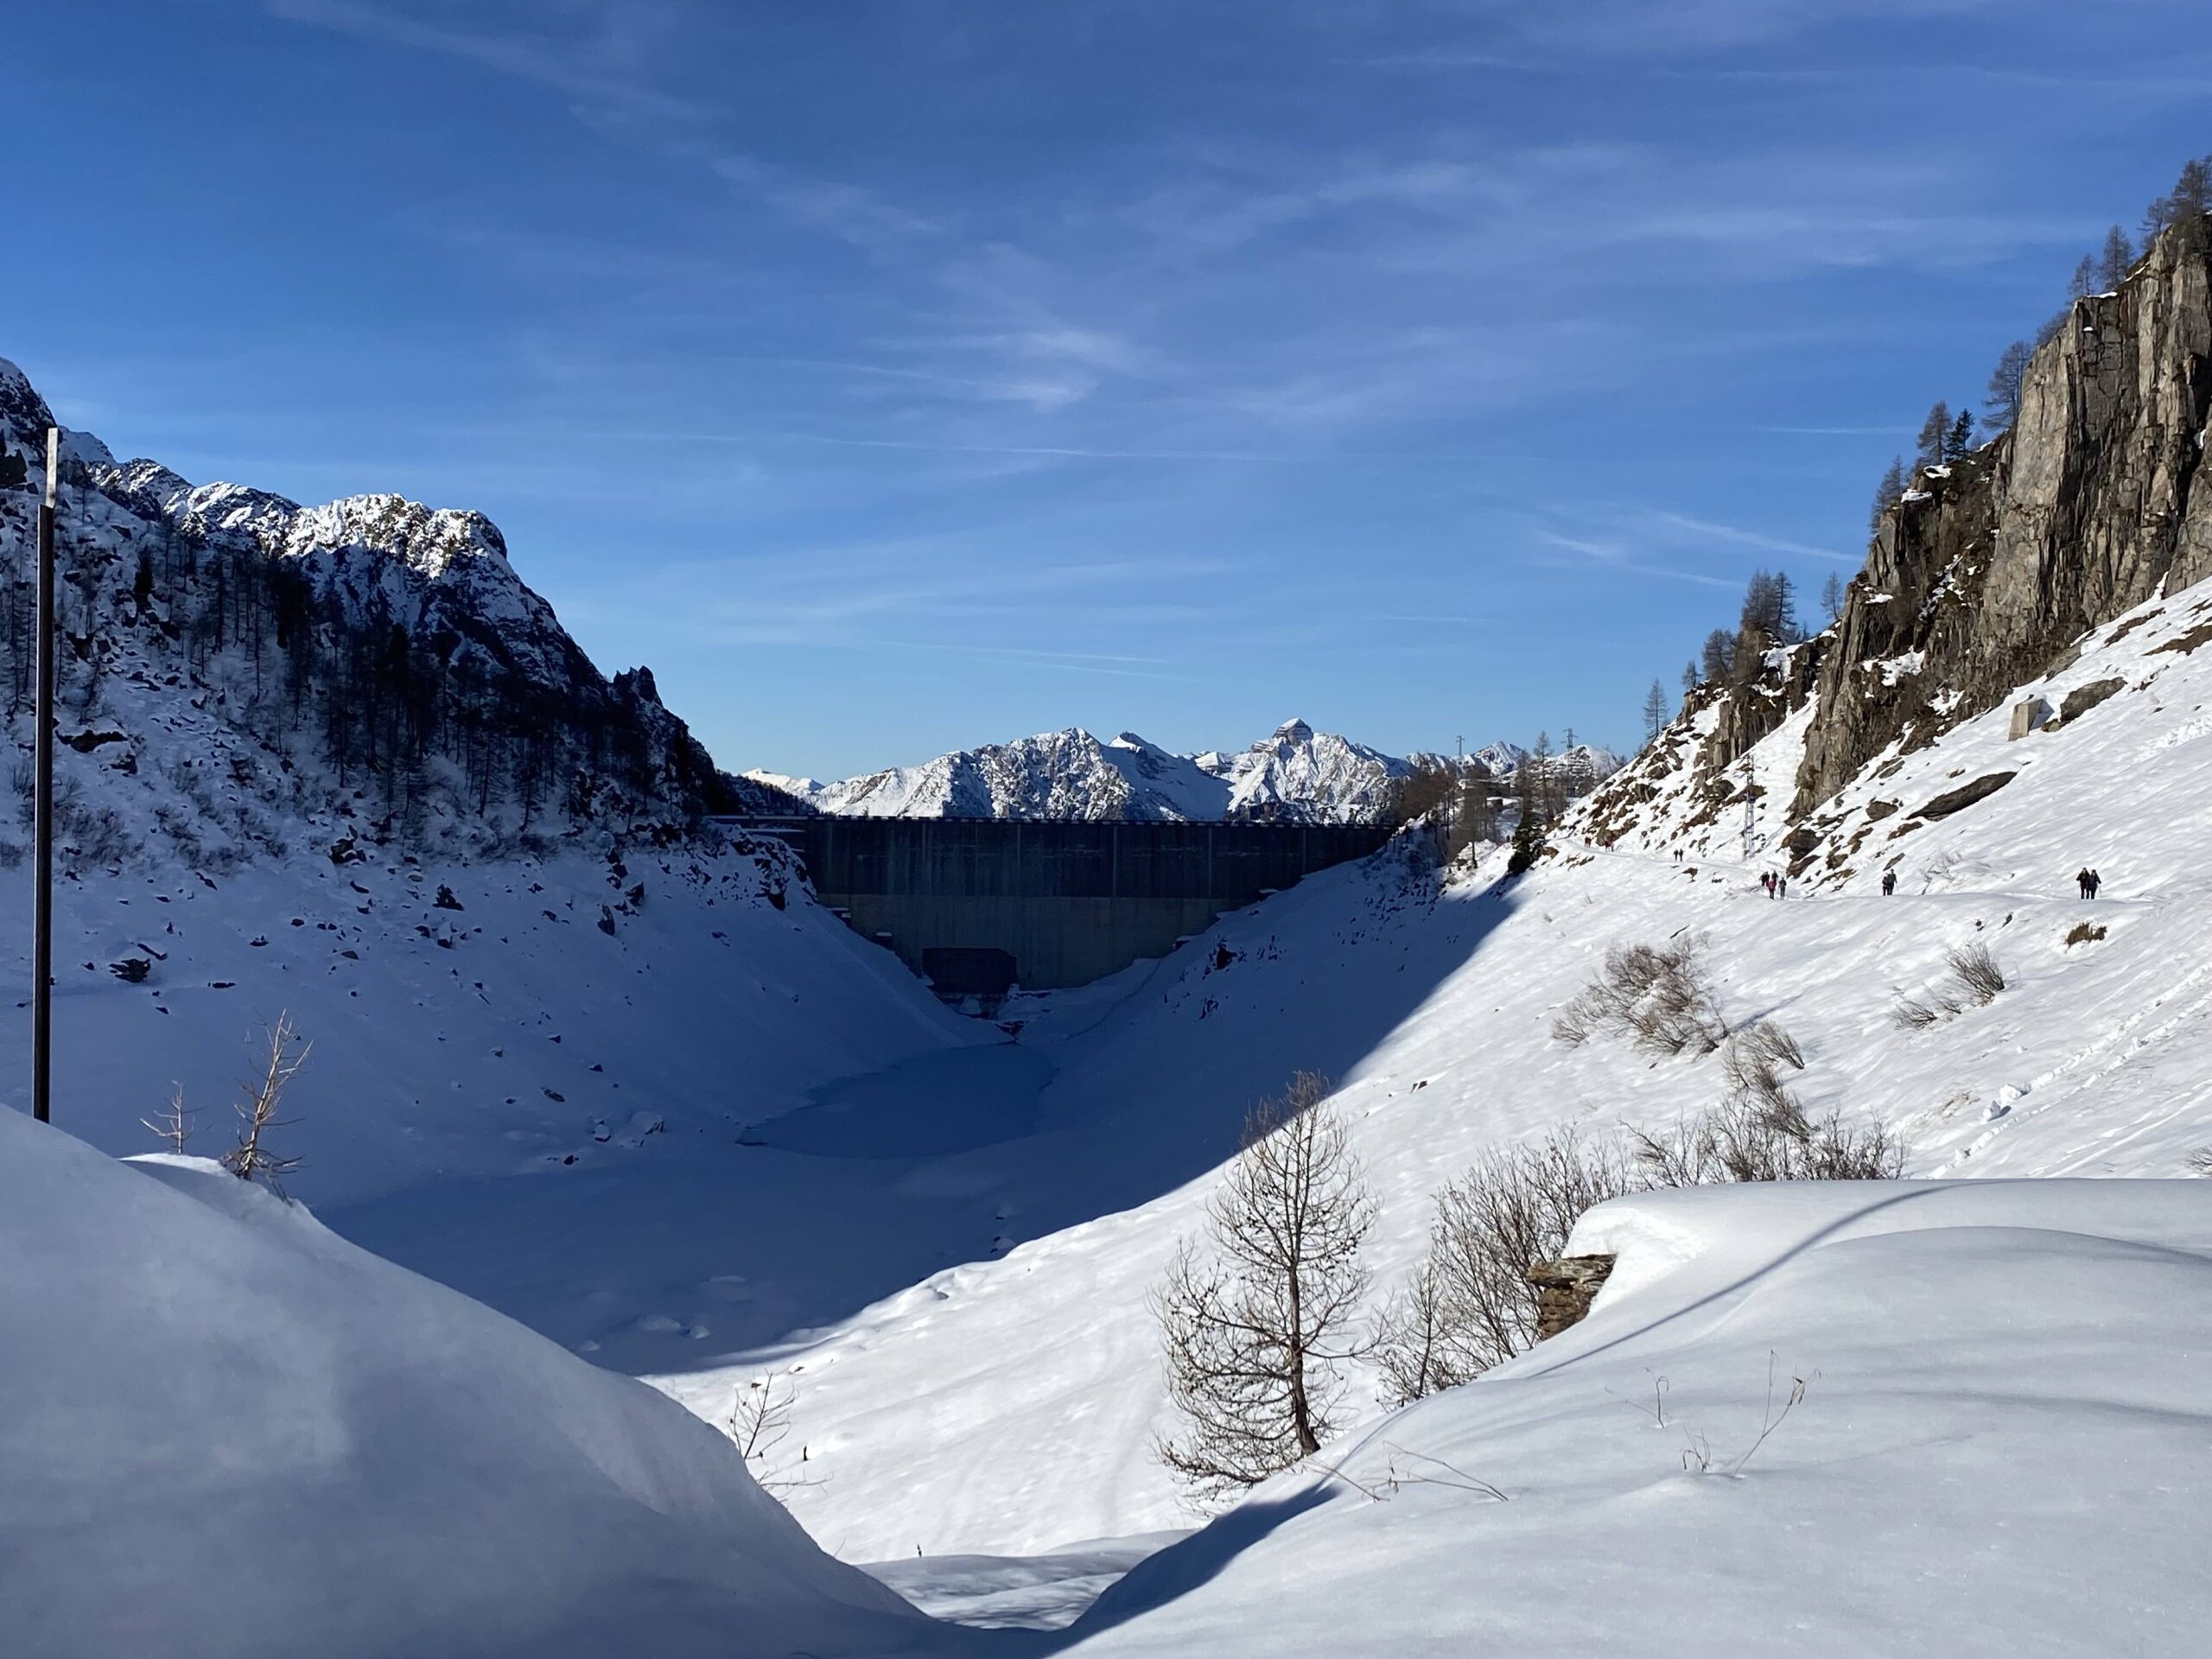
245, 672
1295, 773
656, 1106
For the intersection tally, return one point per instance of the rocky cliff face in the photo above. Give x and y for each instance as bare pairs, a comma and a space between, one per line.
1988, 571
1985, 575
373, 665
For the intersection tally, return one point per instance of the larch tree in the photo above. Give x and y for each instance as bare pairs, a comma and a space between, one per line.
2006, 383
1887, 494
2185, 205
1832, 598
1933, 431
1258, 1317
1719, 659
1655, 711
2113, 260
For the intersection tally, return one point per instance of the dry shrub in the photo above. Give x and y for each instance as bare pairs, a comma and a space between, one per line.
2082, 933
1915, 1015
1740, 1140
1656, 996
1972, 982
1976, 973
1469, 1304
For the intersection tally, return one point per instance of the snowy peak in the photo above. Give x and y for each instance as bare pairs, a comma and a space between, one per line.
1294, 774
24, 414
371, 668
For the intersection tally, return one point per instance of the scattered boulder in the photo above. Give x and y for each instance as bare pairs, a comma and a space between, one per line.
1955, 800
2083, 698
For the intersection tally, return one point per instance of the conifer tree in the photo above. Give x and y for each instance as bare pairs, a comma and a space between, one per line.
2186, 205
1655, 711
1832, 598
2002, 407
1719, 659
1933, 431
2113, 260
1958, 442
2083, 282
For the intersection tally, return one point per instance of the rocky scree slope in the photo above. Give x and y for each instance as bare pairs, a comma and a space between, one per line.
1989, 571
372, 665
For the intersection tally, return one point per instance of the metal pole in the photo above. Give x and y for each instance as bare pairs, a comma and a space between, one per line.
42, 832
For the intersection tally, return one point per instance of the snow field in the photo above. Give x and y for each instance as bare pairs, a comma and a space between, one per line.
1007, 1406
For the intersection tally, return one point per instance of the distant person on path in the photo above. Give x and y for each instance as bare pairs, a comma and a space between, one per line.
2095, 881
2082, 880
1889, 882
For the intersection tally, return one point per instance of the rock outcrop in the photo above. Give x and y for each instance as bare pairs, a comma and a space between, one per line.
1988, 570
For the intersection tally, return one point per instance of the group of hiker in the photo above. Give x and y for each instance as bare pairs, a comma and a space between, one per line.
1776, 885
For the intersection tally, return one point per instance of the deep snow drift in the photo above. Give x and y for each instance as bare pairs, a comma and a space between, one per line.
229, 1433
2001, 1449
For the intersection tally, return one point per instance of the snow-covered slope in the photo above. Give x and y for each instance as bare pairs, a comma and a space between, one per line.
539, 1094
1022, 1395
1997, 1451
229, 1433
1295, 772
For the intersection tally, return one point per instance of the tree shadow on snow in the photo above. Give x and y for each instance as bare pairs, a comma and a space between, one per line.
1196, 1560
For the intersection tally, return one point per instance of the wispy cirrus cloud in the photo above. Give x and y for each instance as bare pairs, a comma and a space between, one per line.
1707, 529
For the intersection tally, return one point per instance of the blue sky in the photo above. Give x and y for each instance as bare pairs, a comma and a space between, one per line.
899, 377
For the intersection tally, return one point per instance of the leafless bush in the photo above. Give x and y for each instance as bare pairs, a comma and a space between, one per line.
760, 1421
174, 1125
1912, 1014
1655, 995
1743, 1139
1767, 1044
251, 1159
94, 834
1470, 1306
2082, 933
1256, 1317
1977, 972
1972, 982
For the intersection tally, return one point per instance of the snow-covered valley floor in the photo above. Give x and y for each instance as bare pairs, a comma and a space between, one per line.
728, 1136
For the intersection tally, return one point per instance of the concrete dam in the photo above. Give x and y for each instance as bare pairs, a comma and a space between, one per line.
973, 904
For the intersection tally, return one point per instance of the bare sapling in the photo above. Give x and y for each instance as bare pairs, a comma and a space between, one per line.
761, 1422
174, 1125
252, 1159
1257, 1315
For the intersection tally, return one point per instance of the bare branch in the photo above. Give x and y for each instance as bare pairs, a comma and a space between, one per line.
251, 1159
